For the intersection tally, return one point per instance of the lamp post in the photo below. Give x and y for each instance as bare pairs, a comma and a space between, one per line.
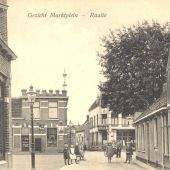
31, 99
70, 128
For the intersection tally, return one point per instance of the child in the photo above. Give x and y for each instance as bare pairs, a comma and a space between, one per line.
66, 154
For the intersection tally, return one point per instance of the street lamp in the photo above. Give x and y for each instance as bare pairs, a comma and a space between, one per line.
70, 125
31, 99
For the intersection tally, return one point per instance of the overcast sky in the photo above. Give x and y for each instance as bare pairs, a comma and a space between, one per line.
45, 46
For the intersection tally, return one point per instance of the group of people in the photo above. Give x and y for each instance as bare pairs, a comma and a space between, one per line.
115, 148
73, 153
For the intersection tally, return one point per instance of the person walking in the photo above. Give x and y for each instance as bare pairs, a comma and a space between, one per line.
109, 152
129, 152
118, 149
66, 154
81, 147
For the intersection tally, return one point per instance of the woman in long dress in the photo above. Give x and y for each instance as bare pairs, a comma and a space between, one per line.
72, 154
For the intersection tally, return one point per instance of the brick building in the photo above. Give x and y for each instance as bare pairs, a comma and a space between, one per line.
50, 121
6, 55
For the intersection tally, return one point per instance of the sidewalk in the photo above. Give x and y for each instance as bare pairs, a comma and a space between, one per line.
97, 161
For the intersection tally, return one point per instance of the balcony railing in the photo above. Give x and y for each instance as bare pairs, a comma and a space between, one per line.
103, 127
122, 125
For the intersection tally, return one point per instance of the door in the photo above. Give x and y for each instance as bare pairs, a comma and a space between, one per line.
38, 144
25, 142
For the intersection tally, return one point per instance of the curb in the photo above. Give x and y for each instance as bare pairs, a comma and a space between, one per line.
144, 165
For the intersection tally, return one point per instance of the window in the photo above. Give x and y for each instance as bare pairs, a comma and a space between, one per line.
36, 112
166, 134
53, 113
138, 136
114, 120
143, 137
104, 118
53, 110
156, 132
94, 121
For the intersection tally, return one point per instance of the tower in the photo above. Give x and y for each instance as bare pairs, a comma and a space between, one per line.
64, 77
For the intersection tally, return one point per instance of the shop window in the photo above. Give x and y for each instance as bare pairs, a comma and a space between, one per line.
51, 137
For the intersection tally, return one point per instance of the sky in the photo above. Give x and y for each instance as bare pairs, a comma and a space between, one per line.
45, 46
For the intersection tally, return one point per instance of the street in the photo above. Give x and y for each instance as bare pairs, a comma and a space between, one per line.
42, 162
97, 160
93, 160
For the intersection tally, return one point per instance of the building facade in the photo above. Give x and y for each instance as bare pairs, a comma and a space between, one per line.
82, 134
6, 56
153, 130
50, 121
105, 126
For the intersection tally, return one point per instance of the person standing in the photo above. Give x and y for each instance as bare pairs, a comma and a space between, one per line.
81, 147
66, 154
118, 149
129, 152
109, 152
77, 151
72, 154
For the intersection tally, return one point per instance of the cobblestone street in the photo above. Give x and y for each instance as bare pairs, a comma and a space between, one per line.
94, 160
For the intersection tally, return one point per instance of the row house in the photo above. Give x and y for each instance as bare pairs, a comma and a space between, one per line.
105, 126
6, 56
82, 134
153, 130
50, 121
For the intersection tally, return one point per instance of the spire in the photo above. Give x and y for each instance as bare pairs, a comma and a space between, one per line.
64, 77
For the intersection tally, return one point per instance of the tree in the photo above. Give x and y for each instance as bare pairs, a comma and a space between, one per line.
134, 65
